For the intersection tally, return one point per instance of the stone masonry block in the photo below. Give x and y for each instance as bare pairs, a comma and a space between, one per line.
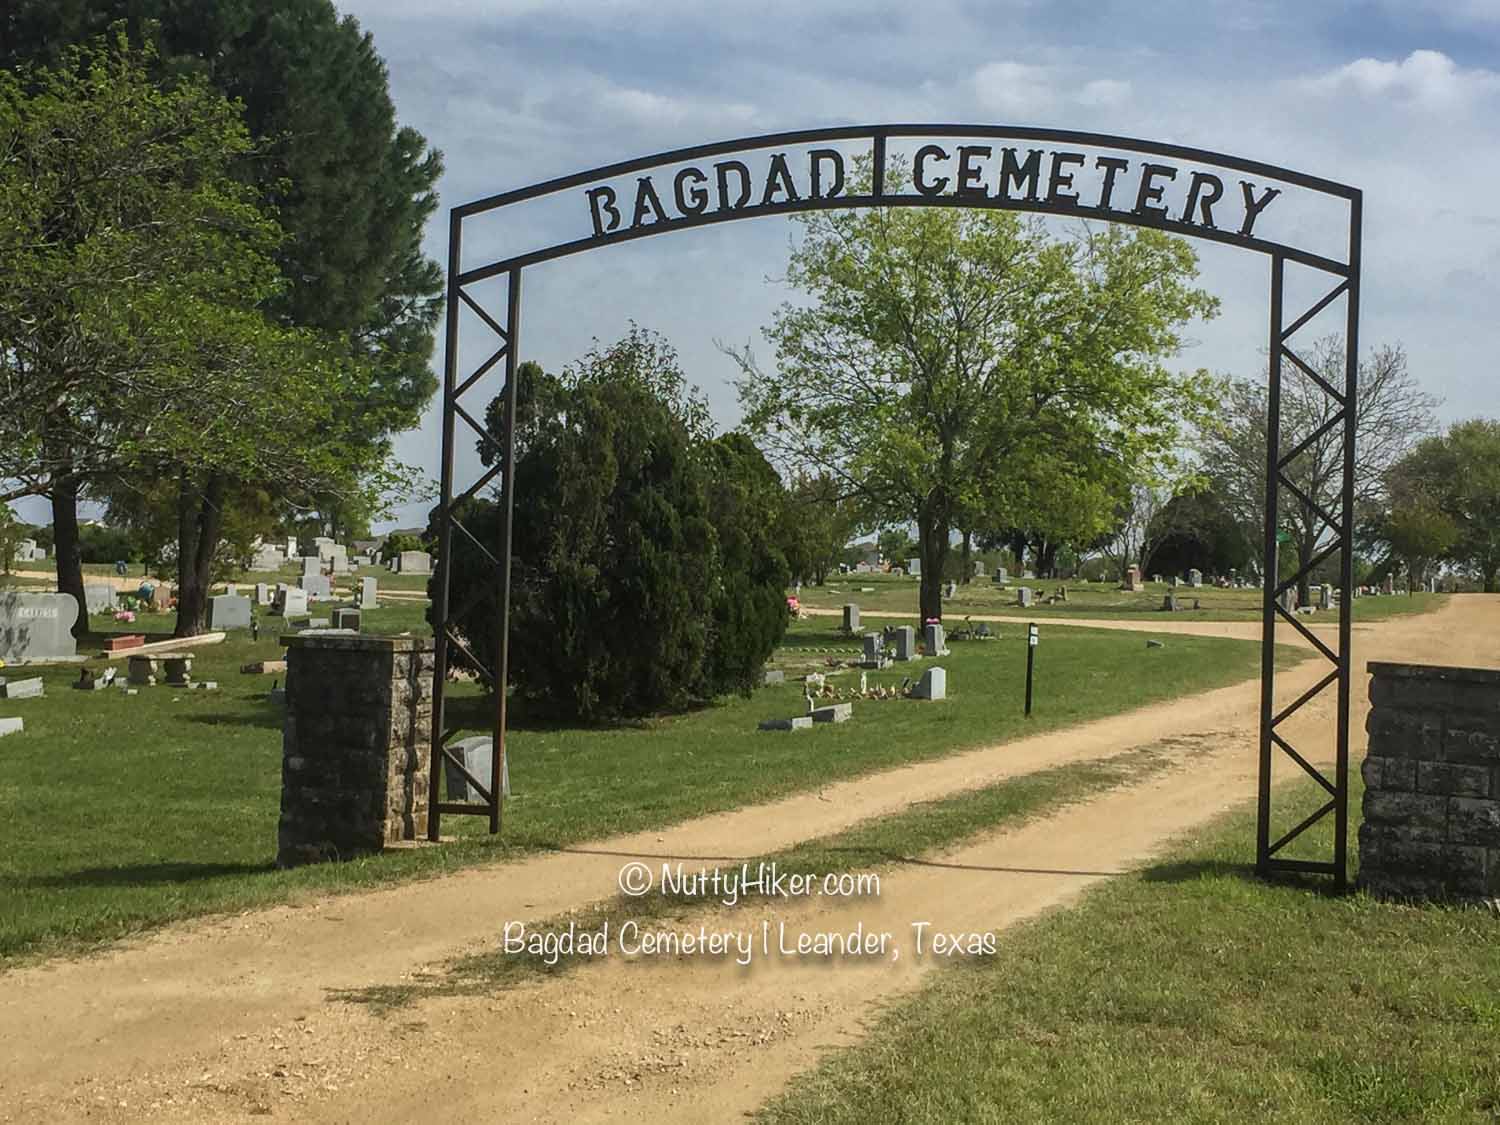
1397, 774
1424, 817
1452, 780
1468, 741
1472, 820
1405, 734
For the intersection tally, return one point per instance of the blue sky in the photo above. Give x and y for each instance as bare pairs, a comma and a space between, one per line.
1398, 97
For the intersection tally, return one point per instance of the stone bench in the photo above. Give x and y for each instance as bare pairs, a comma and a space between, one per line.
176, 668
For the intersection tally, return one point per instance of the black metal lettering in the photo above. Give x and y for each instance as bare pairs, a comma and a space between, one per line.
919, 170
723, 170
779, 178
603, 199
969, 183
1197, 199
1253, 208
646, 199
1060, 182
1113, 166
1028, 171
1150, 191
691, 201
815, 159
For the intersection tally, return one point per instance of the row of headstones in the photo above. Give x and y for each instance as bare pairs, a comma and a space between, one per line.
335, 556
28, 551
1133, 580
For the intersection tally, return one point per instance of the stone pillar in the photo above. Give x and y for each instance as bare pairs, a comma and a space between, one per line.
355, 745
1432, 783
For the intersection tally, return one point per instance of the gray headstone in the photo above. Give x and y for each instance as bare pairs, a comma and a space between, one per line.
914, 567
934, 640
229, 611
872, 648
950, 589
22, 689
316, 587
833, 713
290, 602
262, 594
1325, 596
99, 596
932, 685
37, 627
978, 568
475, 754
414, 562
774, 676
1195, 577
1023, 595
799, 722
368, 592
851, 618
346, 619
12, 725
906, 643
1002, 575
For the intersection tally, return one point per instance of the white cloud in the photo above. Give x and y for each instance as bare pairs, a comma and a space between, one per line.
1428, 78
1013, 89
1104, 92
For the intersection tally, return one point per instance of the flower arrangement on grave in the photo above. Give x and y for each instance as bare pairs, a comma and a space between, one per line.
127, 615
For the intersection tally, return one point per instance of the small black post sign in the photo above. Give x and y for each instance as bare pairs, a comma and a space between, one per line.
1031, 639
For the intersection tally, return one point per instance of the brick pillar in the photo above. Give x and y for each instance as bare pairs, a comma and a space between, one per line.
355, 745
1432, 783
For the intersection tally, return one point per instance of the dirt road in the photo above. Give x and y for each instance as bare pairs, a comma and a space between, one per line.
234, 1019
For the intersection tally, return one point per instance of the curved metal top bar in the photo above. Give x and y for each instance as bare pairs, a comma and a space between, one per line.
857, 132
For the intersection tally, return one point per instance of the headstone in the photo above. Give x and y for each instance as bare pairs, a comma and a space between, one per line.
851, 618
1156, 578
978, 568
37, 627
161, 599
338, 557
1169, 603
874, 652
1195, 577
22, 689
290, 602
1325, 596
1389, 585
476, 754
933, 640
1289, 599
914, 567
291, 548
311, 567
798, 722
1172, 582
414, 562
267, 558
346, 619
262, 594
774, 676
932, 685
950, 589
13, 725
367, 594
906, 643
1002, 575
316, 586
99, 596
833, 713
1132, 578
1023, 595
229, 611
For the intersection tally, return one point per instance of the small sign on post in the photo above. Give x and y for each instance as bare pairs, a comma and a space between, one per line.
1031, 640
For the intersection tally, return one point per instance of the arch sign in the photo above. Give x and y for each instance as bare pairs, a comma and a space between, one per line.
1288, 216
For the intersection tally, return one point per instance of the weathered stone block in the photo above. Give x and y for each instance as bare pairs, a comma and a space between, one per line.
1452, 780
1404, 734
1423, 816
1474, 820
1465, 740
1397, 774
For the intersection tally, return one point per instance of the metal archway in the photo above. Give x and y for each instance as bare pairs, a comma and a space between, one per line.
1044, 180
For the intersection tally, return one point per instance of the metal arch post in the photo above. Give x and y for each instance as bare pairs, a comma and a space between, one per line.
1270, 573
444, 574
508, 503
1346, 576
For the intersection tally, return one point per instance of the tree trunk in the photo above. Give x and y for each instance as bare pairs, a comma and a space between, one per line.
65, 546
966, 572
1492, 581
1307, 543
1047, 561
932, 534
199, 517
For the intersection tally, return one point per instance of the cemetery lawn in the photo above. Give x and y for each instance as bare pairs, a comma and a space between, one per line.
898, 596
1192, 991
127, 812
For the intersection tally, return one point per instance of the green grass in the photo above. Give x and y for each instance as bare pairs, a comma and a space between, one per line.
869, 846
899, 595
1192, 992
126, 812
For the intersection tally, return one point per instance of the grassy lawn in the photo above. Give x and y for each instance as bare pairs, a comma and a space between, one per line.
125, 812
893, 595
1192, 991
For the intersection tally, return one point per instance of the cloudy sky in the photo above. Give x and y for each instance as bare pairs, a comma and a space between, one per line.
1398, 97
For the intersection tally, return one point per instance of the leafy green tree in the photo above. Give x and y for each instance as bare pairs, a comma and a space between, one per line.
1195, 529
138, 270
814, 526
1457, 475
644, 568
940, 349
12, 531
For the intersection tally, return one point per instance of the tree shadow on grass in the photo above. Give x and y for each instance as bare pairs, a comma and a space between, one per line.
270, 719
1194, 870
147, 874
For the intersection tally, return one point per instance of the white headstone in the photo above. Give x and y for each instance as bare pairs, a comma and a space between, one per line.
1195, 577
932, 685
1023, 595
934, 640
367, 593
477, 755
415, 562
914, 567
229, 611
317, 586
851, 618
